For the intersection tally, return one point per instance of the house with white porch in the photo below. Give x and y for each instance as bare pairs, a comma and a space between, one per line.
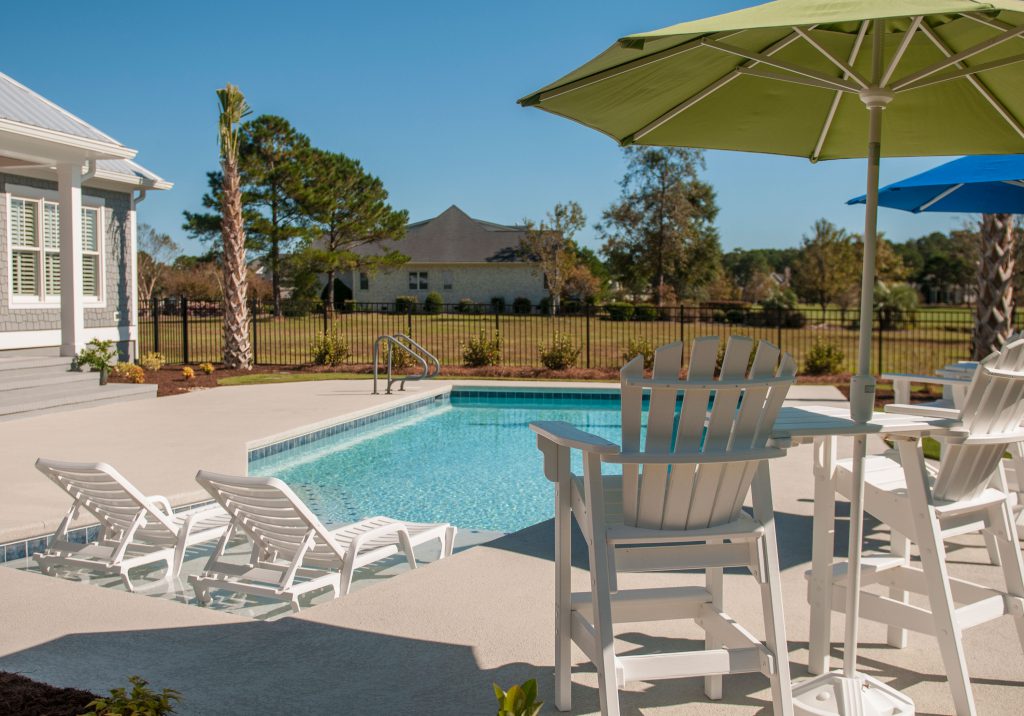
68, 268
68, 194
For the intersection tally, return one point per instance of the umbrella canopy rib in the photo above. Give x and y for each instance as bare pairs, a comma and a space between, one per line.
839, 95
977, 82
910, 80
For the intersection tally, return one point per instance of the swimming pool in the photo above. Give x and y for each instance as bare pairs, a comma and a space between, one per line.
468, 459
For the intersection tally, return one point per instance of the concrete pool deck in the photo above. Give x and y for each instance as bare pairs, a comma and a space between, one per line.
430, 641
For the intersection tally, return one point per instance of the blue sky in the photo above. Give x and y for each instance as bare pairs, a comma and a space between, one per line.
422, 93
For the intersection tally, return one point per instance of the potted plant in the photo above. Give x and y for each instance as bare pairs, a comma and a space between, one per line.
98, 355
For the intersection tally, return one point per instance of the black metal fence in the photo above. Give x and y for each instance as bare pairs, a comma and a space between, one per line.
190, 331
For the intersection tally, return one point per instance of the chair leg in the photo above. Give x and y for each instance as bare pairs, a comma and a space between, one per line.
713, 583
992, 548
448, 546
604, 628
771, 593
900, 545
822, 555
933, 562
1005, 534
563, 599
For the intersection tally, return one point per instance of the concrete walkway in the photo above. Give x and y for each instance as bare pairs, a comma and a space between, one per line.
430, 641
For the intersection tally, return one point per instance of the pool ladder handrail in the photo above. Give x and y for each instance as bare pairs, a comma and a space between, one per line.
414, 349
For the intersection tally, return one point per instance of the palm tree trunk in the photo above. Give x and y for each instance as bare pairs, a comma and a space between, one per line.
994, 306
237, 348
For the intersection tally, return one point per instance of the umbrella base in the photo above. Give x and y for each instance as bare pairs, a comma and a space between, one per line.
833, 694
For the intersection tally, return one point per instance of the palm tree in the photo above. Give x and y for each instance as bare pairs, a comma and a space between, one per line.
994, 306
237, 347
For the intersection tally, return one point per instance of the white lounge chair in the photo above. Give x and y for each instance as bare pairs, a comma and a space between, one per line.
135, 530
293, 553
927, 506
676, 504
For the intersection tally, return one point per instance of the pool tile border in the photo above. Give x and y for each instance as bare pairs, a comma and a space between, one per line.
264, 451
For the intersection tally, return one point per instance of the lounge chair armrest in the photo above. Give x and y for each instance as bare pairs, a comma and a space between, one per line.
163, 502
564, 434
640, 458
357, 542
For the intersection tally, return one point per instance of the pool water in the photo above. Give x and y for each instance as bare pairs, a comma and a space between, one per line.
472, 462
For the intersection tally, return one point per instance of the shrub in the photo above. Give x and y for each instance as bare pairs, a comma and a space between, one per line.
639, 346
571, 307
518, 700
645, 312
187, 373
824, 359
896, 305
482, 351
560, 354
152, 361
777, 308
433, 303
498, 304
466, 305
736, 316
350, 306
400, 359
794, 319
329, 349
718, 316
129, 373
98, 354
544, 305
522, 305
299, 306
142, 701
620, 311
207, 368
406, 304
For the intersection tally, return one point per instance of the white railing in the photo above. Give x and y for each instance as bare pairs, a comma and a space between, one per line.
400, 341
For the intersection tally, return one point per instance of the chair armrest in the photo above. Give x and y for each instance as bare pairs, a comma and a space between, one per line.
564, 434
924, 411
650, 458
398, 528
162, 502
927, 379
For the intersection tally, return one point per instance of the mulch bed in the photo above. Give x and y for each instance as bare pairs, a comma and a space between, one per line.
21, 695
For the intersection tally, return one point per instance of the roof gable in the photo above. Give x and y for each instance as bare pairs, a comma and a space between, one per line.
455, 237
20, 104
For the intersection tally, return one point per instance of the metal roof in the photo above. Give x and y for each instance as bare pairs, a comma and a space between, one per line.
20, 104
455, 237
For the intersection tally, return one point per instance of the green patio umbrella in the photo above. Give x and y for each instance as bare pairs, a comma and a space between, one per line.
813, 78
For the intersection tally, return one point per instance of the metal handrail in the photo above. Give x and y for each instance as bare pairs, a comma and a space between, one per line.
411, 349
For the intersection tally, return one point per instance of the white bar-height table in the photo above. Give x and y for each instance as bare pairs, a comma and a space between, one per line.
848, 691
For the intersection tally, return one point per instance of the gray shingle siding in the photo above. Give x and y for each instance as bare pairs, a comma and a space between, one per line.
116, 260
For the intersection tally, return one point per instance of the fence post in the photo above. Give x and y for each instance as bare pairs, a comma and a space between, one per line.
184, 330
326, 317
408, 320
252, 328
778, 332
587, 308
156, 325
880, 334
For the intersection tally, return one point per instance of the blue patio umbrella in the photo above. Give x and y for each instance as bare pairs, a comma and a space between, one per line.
978, 185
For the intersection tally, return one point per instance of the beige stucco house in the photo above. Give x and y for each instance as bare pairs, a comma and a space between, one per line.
457, 256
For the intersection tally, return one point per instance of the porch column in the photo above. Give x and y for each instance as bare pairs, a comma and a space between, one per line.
72, 315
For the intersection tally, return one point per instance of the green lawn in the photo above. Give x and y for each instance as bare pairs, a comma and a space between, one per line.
940, 336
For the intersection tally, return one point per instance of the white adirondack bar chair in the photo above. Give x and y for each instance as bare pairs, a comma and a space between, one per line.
926, 506
135, 530
293, 553
955, 379
677, 504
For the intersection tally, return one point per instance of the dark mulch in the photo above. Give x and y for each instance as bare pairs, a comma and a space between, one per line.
170, 381
25, 697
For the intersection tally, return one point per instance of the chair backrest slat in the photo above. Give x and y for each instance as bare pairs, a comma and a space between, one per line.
993, 405
271, 515
734, 418
689, 433
632, 398
106, 495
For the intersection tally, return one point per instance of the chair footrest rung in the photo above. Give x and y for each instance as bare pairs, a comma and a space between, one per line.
711, 662
645, 605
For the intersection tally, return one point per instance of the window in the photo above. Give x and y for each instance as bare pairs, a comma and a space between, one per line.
418, 280
364, 281
25, 247
446, 280
35, 249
